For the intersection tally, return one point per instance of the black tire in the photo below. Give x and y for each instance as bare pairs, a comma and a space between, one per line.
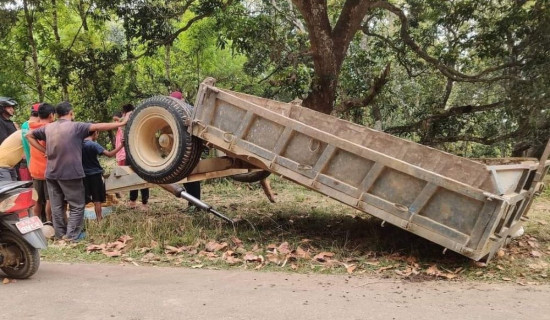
252, 176
154, 120
28, 255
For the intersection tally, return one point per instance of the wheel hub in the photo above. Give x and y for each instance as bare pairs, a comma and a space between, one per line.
166, 141
9, 256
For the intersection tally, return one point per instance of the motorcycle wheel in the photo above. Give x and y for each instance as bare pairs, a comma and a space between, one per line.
29, 257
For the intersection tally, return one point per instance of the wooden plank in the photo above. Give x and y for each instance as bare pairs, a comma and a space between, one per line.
216, 137
394, 208
296, 167
370, 178
209, 107
324, 159
245, 125
425, 195
336, 184
516, 197
482, 228
282, 141
441, 229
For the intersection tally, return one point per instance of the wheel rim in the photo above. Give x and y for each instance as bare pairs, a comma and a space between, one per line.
152, 138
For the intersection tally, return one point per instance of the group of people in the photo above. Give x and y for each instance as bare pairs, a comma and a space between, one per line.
62, 161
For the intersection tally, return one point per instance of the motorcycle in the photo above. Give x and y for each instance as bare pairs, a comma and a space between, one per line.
21, 235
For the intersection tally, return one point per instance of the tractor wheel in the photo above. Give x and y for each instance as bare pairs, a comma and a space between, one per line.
158, 146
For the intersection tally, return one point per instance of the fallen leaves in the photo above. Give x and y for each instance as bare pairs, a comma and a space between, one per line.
350, 268
237, 242
150, 258
323, 256
250, 257
536, 254
409, 271
385, 268
433, 270
171, 250
231, 257
214, 246
232, 251
111, 249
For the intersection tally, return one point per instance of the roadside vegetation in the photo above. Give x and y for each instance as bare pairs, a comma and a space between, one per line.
303, 232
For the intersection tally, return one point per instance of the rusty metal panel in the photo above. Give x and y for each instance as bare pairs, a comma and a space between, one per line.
464, 205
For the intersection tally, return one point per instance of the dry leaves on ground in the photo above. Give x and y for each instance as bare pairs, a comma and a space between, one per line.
214, 246
150, 258
323, 256
434, 271
111, 249
171, 250
350, 267
231, 257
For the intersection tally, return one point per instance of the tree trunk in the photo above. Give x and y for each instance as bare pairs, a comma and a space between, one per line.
323, 93
329, 46
83, 13
63, 72
168, 66
34, 51
130, 58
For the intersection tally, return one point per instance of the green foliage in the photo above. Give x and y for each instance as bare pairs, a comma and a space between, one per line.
107, 53
110, 53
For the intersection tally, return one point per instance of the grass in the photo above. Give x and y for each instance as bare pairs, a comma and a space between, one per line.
305, 224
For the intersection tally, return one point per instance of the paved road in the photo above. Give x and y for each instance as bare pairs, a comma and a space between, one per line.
100, 291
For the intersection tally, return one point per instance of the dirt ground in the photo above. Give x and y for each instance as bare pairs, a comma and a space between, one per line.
102, 291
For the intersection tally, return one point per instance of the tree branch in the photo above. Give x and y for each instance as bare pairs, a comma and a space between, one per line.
399, 51
482, 140
374, 90
454, 111
448, 72
348, 23
289, 17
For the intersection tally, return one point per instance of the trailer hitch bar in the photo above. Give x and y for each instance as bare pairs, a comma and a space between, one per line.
180, 192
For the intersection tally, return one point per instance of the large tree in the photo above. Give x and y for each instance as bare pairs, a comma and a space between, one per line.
445, 48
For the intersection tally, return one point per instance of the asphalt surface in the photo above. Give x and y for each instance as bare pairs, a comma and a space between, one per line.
102, 291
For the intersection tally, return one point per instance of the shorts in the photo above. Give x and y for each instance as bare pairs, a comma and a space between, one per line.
41, 189
8, 174
94, 188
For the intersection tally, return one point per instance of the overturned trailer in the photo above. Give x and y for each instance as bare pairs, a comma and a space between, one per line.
467, 206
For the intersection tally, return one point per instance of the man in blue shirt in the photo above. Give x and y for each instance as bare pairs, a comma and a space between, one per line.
93, 181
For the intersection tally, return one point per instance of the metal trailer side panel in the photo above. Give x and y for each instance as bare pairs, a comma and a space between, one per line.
368, 170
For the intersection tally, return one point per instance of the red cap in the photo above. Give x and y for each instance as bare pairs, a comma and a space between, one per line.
34, 107
176, 94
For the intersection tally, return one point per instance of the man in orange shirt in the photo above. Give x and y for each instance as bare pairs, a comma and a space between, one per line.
38, 164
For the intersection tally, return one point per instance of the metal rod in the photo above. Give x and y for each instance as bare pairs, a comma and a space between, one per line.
180, 192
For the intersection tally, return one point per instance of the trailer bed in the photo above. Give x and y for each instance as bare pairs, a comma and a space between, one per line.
464, 205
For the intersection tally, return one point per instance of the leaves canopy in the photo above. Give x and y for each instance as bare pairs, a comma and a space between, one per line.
471, 77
